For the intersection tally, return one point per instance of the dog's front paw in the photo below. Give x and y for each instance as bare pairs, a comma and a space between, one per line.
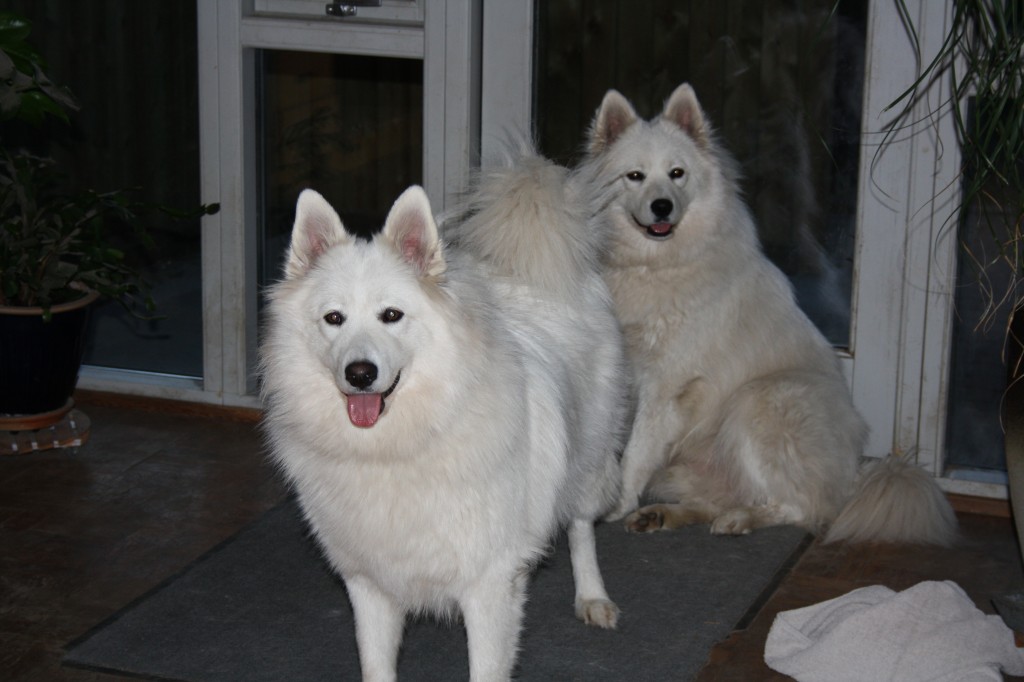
599, 612
646, 520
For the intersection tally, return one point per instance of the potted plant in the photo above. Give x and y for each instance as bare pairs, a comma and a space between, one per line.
60, 250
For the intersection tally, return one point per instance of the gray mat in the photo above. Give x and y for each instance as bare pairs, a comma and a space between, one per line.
264, 606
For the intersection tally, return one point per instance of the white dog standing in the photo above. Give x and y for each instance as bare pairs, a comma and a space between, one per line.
744, 419
443, 410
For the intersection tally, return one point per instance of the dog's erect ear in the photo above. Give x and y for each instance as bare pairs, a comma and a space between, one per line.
613, 117
683, 109
411, 229
317, 228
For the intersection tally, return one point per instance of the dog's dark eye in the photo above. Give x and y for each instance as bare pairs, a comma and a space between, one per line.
635, 176
391, 315
334, 317
676, 173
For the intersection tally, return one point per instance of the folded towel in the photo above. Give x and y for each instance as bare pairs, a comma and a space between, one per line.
932, 631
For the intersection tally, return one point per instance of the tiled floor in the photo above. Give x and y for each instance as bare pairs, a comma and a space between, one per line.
82, 534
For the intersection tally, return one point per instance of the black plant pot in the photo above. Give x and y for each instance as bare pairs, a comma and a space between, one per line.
39, 359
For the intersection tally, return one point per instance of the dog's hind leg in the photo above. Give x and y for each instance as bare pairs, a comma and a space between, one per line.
655, 517
593, 606
731, 521
742, 520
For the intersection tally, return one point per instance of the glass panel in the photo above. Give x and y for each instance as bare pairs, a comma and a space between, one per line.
782, 82
138, 127
978, 372
350, 127
983, 360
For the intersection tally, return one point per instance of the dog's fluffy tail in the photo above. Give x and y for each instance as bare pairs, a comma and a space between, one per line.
528, 220
895, 501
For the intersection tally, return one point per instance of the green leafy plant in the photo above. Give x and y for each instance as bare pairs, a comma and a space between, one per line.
26, 92
55, 244
982, 57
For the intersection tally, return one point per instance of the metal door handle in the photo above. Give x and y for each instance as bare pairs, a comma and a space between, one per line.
348, 9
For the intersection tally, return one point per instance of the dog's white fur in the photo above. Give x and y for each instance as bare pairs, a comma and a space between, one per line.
505, 419
744, 418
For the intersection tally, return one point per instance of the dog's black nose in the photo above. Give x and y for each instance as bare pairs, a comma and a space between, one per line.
361, 373
661, 208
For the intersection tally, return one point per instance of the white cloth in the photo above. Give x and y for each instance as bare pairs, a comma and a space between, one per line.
932, 631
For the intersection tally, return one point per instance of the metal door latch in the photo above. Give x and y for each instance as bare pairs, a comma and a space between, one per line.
348, 9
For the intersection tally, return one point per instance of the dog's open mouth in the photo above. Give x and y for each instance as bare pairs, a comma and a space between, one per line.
660, 230
364, 409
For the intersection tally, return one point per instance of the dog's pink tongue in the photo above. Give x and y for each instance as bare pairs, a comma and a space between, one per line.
661, 228
364, 409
